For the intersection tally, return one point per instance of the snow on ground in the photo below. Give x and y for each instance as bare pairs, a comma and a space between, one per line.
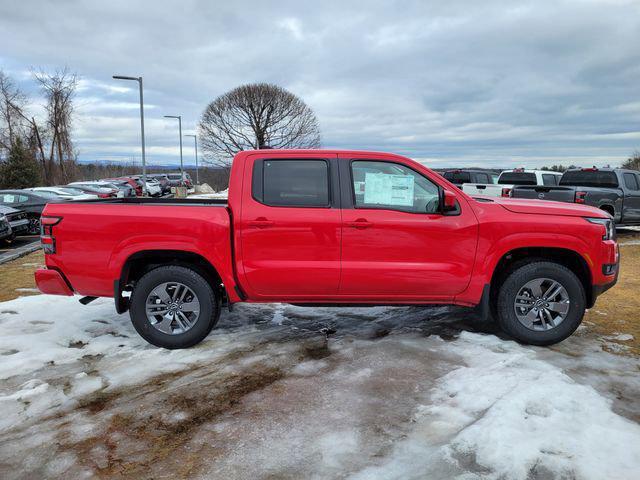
284, 392
223, 194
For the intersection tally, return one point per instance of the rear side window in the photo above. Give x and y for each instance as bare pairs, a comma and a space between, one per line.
630, 181
482, 178
291, 183
589, 178
458, 178
517, 178
548, 179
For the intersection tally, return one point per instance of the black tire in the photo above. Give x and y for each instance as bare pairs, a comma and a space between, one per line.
508, 320
209, 307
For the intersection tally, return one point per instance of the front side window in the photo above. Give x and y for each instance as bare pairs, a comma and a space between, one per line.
630, 181
393, 186
293, 183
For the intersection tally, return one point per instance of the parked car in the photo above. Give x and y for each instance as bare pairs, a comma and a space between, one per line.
460, 176
6, 233
509, 178
162, 179
332, 227
122, 185
153, 186
614, 190
176, 180
32, 203
67, 193
100, 189
137, 188
13, 222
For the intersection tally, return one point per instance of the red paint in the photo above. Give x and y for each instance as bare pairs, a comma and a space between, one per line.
322, 255
51, 282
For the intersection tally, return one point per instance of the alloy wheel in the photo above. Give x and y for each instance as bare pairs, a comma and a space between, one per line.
542, 304
172, 308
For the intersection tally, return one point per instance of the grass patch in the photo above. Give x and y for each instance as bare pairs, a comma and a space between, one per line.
18, 274
618, 310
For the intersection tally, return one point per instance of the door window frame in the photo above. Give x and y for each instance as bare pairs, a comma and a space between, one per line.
257, 188
349, 194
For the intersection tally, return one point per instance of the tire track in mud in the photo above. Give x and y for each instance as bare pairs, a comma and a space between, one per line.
145, 428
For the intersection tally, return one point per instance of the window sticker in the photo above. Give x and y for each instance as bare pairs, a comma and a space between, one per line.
385, 189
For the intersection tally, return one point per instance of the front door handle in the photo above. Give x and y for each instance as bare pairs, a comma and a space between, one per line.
360, 223
260, 222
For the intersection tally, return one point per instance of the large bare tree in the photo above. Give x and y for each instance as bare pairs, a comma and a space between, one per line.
256, 116
59, 89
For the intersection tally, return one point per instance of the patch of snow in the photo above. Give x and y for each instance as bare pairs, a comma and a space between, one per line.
621, 337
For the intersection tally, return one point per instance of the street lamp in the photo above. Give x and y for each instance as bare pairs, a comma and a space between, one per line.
179, 117
195, 145
144, 161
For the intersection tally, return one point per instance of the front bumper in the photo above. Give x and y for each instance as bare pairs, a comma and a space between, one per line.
52, 282
20, 227
612, 258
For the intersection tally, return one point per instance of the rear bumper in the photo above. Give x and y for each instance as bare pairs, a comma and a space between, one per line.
52, 282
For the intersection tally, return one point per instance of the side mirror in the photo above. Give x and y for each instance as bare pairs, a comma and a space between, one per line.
449, 202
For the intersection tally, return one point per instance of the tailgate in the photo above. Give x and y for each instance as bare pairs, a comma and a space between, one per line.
542, 192
491, 190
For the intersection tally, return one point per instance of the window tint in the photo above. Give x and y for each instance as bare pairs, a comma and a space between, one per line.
458, 178
294, 183
517, 178
589, 178
483, 178
630, 181
393, 186
548, 179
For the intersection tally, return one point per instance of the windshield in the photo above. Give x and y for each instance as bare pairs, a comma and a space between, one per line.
517, 178
589, 178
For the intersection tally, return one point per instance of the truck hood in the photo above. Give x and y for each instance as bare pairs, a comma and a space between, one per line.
546, 207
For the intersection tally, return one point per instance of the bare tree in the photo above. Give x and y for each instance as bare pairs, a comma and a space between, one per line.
12, 117
256, 116
633, 162
59, 89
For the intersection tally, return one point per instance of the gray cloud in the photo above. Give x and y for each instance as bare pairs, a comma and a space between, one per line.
450, 83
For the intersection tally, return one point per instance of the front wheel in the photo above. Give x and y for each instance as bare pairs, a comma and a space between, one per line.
174, 307
541, 303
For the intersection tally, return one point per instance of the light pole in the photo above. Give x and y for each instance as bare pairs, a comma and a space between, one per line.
179, 117
144, 161
195, 145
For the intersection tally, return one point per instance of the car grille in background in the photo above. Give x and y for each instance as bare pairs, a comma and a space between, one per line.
14, 217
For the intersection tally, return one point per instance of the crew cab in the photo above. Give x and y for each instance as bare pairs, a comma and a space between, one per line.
510, 178
331, 227
614, 190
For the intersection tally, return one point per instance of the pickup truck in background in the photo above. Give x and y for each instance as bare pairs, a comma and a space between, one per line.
613, 190
331, 227
510, 178
460, 176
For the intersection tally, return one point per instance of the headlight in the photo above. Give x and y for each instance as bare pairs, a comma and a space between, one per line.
609, 228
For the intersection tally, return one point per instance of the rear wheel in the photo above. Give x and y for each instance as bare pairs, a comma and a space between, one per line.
541, 303
174, 307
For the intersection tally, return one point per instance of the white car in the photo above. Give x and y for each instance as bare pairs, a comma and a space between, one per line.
68, 193
510, 178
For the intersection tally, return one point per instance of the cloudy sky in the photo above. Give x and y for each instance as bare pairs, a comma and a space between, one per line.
494, 83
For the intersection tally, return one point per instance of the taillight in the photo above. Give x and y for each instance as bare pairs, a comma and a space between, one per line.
46, 233
506, 192
580, 197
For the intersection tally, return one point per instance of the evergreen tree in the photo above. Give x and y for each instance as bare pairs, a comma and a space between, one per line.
20, 169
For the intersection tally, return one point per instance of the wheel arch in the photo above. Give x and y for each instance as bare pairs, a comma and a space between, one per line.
141, 262
563, 256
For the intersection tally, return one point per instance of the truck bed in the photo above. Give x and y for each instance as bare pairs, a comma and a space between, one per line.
158, 201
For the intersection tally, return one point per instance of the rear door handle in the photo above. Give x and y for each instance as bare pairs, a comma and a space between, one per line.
260, 222
360, 223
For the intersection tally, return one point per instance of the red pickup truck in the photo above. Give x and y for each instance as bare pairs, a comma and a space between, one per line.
331, 227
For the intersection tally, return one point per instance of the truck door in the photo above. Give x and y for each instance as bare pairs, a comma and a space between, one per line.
291, 226
395, 242
631, 202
